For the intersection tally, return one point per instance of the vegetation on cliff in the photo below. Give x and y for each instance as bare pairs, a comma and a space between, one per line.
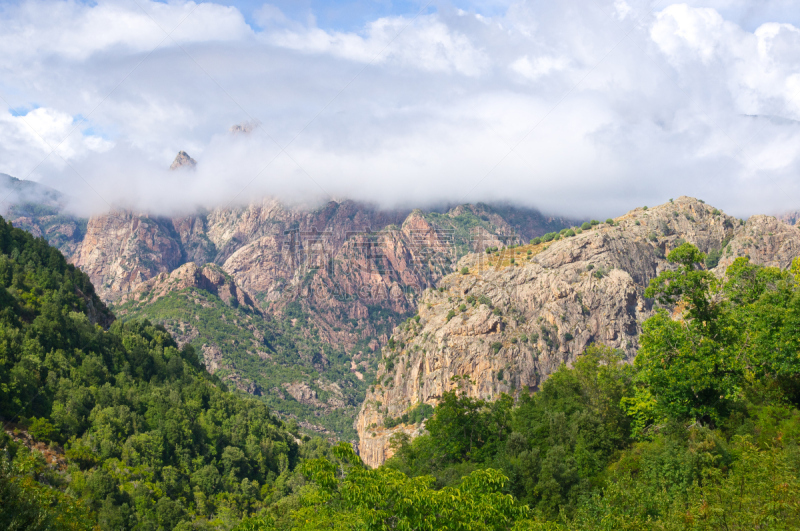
259, 355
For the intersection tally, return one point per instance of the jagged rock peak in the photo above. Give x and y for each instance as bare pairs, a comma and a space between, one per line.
244, 127
183, 160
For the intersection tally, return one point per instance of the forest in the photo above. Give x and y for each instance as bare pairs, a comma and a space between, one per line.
110, 425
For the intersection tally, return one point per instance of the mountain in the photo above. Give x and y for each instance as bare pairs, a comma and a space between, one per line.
510, 318
39, 210
329, 282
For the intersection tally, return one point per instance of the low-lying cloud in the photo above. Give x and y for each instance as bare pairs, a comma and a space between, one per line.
577, 108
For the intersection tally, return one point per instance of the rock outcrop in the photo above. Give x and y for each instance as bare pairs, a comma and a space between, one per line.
516, 316
182, 160
208, 277
122, 250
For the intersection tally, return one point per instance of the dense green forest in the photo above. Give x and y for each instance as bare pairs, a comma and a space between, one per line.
131, 432
150, 439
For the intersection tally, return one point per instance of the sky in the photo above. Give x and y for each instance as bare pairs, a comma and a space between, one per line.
578, 108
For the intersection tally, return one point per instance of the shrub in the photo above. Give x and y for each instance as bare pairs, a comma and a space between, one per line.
465, 270
500, 375
644, 207
514, 340
713, 258
594, 222
652, 237
497, 311
512, 260
536, 241
463, 308
568, 337
589, 267
470, 299
578, 230
450, 315
496, 346
586, 225
569, 233
636, 222
610, 221
43, 430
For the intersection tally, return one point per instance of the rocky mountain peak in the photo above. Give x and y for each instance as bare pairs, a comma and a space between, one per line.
182, 160
510, 317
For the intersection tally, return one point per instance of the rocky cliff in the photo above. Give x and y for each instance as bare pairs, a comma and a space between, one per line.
517, 314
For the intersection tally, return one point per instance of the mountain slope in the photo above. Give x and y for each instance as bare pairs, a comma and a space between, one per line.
517, 315
142, 434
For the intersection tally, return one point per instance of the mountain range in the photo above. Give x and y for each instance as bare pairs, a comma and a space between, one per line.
352, 319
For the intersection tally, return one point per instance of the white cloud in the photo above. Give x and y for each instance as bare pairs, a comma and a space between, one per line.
45, 138
539, 66
575, 107
423, 42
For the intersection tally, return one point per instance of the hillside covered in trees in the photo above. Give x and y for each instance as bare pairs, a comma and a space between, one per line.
139, 435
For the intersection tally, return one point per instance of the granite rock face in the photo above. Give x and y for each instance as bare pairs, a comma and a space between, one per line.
122, 250
509, 324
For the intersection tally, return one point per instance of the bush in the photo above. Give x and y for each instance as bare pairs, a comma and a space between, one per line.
568, 337
536, 241
500, 375
512, 261
713, 258
465, 270
586, 225
42, 430
450, 315
610, 221
594, 222
636, 222
496, 346
497, 311
463, 308
569, 233
483, 299
644, 207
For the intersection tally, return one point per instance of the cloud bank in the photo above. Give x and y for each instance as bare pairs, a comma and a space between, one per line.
576, 107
